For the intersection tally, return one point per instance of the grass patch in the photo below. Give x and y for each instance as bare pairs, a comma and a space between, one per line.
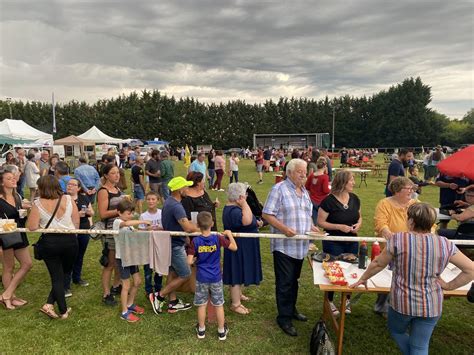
96, 328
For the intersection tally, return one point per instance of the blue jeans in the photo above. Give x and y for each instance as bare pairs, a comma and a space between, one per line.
165, 190
235, 175
212, 175
150, 278
417, 340
75, 274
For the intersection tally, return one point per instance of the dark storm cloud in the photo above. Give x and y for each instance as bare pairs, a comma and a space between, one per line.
220, 50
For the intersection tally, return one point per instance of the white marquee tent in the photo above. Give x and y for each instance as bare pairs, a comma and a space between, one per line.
18, 131
97, 136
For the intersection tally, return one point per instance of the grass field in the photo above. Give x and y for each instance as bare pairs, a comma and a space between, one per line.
96, 328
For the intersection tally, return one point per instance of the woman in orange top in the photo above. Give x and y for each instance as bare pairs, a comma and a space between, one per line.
391, 217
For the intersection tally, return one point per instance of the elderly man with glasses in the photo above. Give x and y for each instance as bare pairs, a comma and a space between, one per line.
288, 211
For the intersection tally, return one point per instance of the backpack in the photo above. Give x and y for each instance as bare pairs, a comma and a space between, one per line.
254, 203
320, 344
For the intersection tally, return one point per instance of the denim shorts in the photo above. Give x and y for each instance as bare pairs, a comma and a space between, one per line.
259, 168
138, 192
179, 262
204, 289
127, 271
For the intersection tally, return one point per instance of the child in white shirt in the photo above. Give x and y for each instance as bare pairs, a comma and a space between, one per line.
153, 214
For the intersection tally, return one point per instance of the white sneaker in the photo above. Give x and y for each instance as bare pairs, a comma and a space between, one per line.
221, 190
334, 309
348, 307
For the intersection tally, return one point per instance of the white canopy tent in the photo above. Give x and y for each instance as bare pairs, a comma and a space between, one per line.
18, 130
96, 135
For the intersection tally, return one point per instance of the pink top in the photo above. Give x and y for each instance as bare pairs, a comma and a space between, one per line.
219, 162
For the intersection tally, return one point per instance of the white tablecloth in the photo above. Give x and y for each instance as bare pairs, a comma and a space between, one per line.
383, 279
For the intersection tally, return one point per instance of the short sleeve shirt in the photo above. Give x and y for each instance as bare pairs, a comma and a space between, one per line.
418, 260
137, 171
153, 166
292, 210
172, 212
208, 253
394, 169
198, 167
337, 214
155, 218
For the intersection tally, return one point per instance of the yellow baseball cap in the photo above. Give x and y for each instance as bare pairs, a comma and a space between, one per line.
178, 183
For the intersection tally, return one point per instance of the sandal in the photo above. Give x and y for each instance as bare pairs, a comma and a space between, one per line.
244, 298
48, 309
6, 302
66, 315
240, 309
18, 302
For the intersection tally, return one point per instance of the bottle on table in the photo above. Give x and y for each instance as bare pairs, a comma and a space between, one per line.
363, 255
375, 250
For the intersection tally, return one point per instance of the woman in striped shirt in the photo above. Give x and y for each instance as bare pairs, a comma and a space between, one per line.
419, 257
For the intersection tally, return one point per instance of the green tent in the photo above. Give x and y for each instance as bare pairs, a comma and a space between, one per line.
14, 140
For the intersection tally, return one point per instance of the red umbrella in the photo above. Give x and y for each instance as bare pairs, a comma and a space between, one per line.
460, 164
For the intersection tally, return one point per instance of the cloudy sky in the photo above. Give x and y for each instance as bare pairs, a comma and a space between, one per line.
218, 50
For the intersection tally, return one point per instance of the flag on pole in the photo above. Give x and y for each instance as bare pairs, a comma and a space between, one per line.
54, 116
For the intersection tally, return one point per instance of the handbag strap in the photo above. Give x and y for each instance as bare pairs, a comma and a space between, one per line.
54, 212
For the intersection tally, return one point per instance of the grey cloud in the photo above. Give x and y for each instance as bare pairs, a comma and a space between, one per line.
255, 50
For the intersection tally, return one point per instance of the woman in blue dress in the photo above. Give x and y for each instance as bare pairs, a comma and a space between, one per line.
243, 267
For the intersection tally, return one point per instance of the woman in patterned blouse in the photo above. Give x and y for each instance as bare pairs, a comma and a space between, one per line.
418, 257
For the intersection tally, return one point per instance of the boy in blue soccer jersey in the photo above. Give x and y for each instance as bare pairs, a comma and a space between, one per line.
207, 250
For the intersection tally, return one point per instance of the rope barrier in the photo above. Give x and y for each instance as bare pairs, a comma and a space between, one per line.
309, 236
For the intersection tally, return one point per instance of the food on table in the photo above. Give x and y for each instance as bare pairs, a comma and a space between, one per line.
334, 273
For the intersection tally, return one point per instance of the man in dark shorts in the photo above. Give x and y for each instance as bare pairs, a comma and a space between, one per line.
153, 171
173, 218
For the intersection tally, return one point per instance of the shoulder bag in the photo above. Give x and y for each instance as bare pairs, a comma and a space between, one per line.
320, 344
37, 252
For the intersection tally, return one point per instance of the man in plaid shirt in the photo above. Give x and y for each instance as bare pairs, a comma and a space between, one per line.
288, 211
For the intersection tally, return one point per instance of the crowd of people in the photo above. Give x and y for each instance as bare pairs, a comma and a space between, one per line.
311, 197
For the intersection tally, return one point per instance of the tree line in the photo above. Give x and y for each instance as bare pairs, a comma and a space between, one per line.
398, 116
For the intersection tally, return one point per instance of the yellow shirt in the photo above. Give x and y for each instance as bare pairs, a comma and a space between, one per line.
392, 216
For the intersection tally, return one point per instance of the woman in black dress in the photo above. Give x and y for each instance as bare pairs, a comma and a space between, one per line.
10, 206
197, 199
243, 267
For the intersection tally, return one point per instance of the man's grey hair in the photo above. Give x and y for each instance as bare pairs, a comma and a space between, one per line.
235, 190
293, 163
